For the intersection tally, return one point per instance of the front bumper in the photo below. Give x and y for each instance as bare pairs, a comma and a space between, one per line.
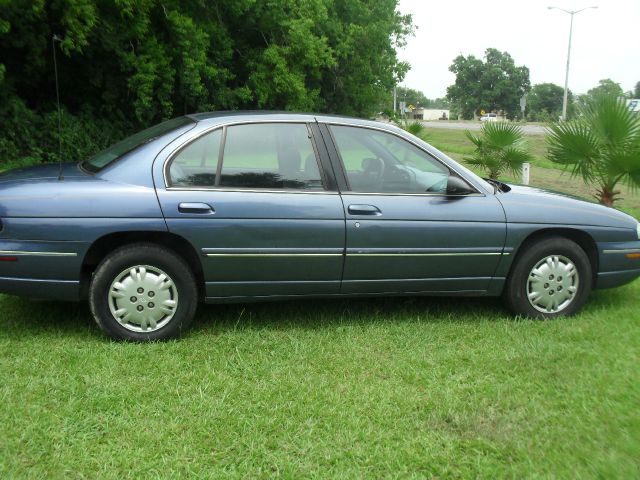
619, 263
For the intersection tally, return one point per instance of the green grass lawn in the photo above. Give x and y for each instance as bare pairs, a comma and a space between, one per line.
402, 387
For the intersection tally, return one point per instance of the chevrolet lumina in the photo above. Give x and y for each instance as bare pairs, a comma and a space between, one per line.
232, 207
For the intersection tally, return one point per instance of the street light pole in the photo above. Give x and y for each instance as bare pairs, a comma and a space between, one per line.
566, 76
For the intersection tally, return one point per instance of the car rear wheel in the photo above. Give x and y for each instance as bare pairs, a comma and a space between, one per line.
143, 292
551, 278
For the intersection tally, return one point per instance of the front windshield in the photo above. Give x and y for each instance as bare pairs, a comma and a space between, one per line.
105, 157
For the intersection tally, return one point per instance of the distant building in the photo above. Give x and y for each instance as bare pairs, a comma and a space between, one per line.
420, 113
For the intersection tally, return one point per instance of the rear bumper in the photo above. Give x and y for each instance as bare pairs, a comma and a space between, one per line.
68, 290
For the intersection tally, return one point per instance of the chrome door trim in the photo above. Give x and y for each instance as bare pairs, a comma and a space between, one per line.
622, 250
401, 254
263, 255
333, 252
272, 252
38, 254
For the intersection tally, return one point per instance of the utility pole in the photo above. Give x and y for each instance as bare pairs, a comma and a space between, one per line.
566, 76
395, 98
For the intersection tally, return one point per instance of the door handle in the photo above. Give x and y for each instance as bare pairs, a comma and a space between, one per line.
189, 207
364, 210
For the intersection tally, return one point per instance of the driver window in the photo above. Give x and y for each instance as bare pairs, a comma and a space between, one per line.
376, 161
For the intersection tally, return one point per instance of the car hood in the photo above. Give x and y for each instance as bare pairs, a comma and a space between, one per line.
535, 205
40, 172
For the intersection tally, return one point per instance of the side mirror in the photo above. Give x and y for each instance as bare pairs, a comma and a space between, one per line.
457, 186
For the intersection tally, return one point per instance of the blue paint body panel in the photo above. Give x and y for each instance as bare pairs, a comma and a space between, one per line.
278, 244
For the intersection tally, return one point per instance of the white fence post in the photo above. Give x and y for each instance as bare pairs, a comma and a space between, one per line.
526, 169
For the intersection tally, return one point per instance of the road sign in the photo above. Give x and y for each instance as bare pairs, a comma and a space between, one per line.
482, 112
634, 105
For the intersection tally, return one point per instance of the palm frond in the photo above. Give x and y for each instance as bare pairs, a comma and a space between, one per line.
574, 145
513, 157
610, 120
499, 147
502, 134
602, 146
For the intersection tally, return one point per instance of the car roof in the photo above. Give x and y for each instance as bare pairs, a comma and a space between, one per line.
262, 115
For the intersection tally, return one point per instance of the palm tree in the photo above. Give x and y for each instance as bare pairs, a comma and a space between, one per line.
602, 146
500, 147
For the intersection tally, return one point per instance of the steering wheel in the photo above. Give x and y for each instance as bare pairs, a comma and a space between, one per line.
373, 169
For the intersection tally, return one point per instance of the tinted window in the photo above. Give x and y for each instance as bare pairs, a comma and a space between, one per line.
376, 161
105, 157
195, 165
270, 155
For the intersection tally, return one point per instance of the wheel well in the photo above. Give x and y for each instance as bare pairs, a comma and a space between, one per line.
108, 243
583, 239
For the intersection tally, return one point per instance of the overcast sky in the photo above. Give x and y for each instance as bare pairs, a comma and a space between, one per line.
606, 41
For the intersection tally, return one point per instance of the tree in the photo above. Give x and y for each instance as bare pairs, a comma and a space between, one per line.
602, 145
493, 84
411, 96
500, 148
544, 102
636, 92
133, 63
606, 87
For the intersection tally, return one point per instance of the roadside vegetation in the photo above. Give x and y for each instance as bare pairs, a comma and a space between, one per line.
602, 146
500, 148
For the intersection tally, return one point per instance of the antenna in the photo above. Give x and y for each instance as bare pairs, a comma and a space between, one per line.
55, 38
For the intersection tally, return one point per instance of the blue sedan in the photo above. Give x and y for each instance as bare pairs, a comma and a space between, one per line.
231, 207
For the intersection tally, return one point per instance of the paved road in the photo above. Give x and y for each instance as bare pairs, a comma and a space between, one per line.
528, 129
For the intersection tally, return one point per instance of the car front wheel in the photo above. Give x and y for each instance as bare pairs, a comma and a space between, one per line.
551, 278
143, 292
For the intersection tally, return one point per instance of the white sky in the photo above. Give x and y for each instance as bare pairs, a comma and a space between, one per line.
606, 41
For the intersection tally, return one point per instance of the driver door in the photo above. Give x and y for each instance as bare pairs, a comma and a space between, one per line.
404, 233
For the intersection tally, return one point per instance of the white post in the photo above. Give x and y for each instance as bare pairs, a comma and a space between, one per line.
526, 169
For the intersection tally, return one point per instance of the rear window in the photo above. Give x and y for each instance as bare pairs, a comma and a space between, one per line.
105, 157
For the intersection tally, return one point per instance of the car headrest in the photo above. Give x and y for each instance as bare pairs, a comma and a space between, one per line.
373, 165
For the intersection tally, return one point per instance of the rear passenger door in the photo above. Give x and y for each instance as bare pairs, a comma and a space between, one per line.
258, 202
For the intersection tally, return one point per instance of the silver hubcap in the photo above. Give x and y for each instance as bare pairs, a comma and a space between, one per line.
552, 284
143, 298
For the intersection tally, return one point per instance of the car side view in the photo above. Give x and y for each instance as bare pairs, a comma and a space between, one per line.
238, 206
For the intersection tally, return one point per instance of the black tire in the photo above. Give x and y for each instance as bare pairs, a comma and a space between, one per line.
154, 261
518, 286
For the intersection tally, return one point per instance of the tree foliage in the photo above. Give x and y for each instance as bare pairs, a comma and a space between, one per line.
544, 102
636, 91
136, 62
606, 87
493, 84
602, 145
499, 148
417, 98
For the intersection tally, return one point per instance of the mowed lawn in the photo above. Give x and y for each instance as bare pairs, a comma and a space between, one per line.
395, 388
402, 387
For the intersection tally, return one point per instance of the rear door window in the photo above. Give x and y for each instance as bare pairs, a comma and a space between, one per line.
270, 156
